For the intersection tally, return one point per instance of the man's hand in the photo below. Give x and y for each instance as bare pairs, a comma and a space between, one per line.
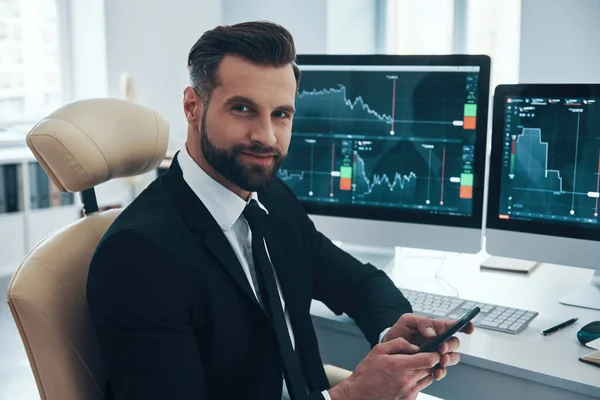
417, 329
391, 371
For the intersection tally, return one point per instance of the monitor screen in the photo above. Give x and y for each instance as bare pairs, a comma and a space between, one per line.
545, 172
399, 138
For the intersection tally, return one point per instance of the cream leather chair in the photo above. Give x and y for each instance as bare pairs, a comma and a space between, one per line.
80, 146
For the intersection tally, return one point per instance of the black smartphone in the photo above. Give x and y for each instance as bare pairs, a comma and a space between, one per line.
434, 344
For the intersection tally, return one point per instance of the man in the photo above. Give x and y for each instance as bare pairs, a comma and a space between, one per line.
201, 288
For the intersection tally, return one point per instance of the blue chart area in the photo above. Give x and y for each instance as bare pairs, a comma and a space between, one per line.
390, 187
312, 168
379, 138
551, 167
396, 173
531, 164
401, 104
330, 110
393, 188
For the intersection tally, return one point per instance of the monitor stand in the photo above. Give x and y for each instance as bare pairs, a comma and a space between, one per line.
380, 257
509, 264
585, 297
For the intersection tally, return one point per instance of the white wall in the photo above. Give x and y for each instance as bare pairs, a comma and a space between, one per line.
112, 37
89, 73
87, 37
351, 26
559, 41
305, 19
150, 40
318, 26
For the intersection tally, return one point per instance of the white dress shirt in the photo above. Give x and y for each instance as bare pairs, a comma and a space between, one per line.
226, 208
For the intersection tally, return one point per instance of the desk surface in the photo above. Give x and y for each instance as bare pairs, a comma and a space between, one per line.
423, 396
550, 360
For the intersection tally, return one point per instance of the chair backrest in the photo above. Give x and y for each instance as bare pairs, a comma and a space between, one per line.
80, 145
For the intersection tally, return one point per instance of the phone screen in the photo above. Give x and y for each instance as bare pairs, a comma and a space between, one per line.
435, 343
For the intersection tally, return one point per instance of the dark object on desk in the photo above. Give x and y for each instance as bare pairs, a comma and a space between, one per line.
457, 326
589, 332
591, 358
559, 326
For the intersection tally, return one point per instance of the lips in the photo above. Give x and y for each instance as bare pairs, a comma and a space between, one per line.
258, 158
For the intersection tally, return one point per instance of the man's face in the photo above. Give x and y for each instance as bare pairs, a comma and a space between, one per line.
246, 129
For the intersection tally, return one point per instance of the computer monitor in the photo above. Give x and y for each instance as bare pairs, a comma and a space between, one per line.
545, 179
389, 151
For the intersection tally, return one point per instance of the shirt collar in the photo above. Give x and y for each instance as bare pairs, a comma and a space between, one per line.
225, 206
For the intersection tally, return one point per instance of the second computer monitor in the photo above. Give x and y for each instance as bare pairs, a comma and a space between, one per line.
390, 150
544, 186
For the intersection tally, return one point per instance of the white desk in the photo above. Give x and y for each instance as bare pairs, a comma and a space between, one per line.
494, 365
423, 396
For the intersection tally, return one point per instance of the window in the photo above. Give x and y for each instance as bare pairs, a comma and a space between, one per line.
489, 27
31, 80
420, 27
494, 28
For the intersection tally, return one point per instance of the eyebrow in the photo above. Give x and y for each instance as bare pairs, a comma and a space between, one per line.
243, 99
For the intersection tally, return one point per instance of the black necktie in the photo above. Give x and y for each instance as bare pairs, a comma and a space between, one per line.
271, 302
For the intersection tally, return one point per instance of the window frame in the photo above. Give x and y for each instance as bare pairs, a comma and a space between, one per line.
63, 8
460, 31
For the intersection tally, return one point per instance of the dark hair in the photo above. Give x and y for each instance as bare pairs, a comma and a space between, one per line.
264, 43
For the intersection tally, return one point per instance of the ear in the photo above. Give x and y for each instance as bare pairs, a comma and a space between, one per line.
192, 106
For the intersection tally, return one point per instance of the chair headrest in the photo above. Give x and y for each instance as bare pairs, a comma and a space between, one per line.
88, 142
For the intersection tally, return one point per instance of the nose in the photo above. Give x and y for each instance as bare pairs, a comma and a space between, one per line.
264, 133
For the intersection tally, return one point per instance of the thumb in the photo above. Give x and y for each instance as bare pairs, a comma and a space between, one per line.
398, 346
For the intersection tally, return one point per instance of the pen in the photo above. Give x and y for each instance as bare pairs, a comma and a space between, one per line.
559, 326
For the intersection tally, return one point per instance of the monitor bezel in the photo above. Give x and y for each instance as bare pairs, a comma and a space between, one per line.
493, 221
475, 219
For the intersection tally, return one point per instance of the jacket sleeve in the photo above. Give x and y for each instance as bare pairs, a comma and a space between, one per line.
345, 285
142, 318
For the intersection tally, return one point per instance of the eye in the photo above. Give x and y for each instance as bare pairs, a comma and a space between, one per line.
241, 108
281, 114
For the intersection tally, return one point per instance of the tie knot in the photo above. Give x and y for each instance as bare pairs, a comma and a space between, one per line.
254, 215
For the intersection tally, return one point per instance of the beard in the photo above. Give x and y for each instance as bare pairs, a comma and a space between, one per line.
228, 162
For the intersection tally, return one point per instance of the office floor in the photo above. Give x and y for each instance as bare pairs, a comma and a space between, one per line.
16, 379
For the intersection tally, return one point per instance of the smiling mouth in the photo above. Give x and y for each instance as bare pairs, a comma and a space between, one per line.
259, 158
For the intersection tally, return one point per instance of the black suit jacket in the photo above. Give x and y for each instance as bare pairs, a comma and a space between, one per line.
175, 315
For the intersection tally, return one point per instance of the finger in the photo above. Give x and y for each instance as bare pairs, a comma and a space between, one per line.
450, 359
421, 361
398, 346
449, 346
423, 383
441, 325
446, 358
468, 329
439, 373
419, 374
422, 324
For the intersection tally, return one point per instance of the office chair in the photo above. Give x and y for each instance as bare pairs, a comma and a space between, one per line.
79, 146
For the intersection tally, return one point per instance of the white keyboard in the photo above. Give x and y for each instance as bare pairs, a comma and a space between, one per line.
492, 316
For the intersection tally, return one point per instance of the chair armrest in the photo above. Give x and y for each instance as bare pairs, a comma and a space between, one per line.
335, 374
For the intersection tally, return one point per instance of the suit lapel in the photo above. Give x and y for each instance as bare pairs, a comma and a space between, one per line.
206, 231
219, 246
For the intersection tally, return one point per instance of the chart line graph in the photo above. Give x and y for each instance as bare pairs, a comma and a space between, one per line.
340, 93
370, 171
526, 152
399, 182
384, 139
575, 164
551, 163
